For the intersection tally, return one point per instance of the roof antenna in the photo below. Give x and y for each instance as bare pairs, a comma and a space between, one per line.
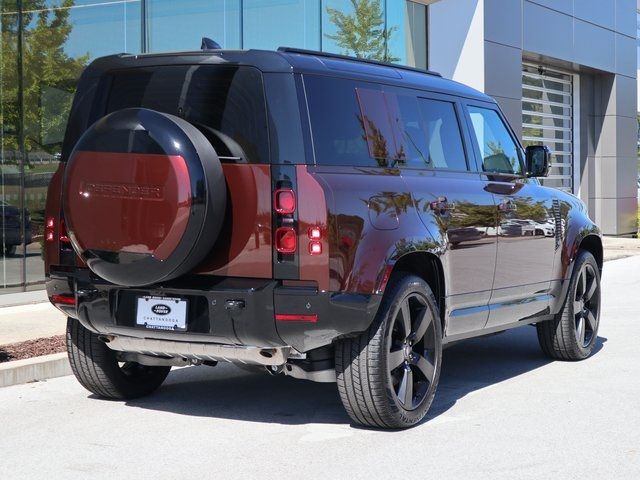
208, 44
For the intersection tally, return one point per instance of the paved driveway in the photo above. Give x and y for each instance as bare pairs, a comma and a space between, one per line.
502, 411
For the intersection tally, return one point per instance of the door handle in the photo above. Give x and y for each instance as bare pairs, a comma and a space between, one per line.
442, 205
507, 205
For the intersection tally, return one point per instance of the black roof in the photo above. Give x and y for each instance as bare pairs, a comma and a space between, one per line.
289, 60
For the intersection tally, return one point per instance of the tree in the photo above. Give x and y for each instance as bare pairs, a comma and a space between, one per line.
364, 33
49, 75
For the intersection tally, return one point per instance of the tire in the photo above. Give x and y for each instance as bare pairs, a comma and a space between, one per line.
10, 250
372, 368
572, 334
97, 369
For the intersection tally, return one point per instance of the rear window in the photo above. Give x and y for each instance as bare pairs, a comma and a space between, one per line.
225, 103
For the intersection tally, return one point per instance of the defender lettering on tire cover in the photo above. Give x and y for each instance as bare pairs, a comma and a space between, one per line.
144, 197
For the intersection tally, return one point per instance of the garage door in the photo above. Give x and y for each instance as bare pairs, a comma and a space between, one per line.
547, 119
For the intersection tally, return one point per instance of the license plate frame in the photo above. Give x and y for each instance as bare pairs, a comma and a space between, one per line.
161, 313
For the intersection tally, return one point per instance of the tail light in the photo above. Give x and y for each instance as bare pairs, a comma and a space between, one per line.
286, 240
284, 201
315, 243
50, 231
284, 204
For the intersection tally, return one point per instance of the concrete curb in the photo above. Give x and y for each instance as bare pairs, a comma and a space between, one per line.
34, 369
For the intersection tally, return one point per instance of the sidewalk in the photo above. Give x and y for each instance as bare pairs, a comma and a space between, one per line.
28, 322
615, 247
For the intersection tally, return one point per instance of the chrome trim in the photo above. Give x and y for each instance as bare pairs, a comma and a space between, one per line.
200, 351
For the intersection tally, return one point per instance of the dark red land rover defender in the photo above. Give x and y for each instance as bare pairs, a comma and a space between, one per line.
320, 216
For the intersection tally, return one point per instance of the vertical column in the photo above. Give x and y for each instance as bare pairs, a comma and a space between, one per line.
456, 41
614, 162
21, 144
503, 57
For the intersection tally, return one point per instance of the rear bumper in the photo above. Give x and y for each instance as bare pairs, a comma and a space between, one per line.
221, 311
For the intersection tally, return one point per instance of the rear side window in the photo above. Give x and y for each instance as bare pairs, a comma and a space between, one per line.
336, 123
369, 125
225, 103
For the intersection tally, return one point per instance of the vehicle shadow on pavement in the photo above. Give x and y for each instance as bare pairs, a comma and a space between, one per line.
229, 392
478, 363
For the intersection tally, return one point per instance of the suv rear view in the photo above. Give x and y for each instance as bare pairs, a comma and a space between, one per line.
251, 207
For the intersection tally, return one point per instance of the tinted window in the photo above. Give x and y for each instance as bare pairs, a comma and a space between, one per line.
364, 124
337, 124
498, 151
443, 139
379, 117
225, 103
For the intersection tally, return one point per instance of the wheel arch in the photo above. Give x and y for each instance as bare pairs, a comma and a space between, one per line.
593, 245
427, 266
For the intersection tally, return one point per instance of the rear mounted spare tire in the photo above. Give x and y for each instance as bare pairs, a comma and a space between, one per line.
144, 197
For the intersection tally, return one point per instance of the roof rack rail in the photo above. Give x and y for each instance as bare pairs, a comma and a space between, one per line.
303, 51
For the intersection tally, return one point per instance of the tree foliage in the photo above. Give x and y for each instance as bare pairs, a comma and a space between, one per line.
49, 75
363, 33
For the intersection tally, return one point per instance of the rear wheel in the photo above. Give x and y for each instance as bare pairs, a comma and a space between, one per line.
572, 334
387, 376
98, 370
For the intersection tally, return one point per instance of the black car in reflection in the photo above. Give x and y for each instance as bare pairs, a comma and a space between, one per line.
10, 230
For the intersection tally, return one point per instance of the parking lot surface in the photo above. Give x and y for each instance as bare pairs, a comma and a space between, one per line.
502, 411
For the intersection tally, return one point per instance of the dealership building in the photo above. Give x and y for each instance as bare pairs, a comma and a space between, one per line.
563, 71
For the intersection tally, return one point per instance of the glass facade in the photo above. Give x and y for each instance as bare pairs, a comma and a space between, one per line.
46, 44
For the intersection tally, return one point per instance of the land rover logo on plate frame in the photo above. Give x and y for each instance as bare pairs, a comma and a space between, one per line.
161, 309
162, 313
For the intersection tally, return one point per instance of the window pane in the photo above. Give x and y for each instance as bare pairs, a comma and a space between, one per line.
60, 39
498, 151
383, 139
11, 228
269, 24
442, 130
181, 25
388, 31
225, 103
336, 123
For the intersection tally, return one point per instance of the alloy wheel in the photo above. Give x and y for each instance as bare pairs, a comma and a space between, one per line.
586, 305
411, 355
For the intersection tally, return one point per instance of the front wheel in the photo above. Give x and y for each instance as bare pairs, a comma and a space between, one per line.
387, 376
572, 334
98, 370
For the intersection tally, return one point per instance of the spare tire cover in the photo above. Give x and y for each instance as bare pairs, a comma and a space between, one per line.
144, 197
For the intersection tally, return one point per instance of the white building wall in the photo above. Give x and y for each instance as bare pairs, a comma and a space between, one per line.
456, 40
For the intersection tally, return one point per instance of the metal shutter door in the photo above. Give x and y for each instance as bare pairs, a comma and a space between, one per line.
547, 119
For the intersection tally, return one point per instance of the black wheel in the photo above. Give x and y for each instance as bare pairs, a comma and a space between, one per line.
10, 250
572, 334
98, 370
388, 375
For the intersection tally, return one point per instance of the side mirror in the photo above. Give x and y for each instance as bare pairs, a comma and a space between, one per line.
538, 159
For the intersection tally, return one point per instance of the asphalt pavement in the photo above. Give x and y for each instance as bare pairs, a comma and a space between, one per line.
502, 411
